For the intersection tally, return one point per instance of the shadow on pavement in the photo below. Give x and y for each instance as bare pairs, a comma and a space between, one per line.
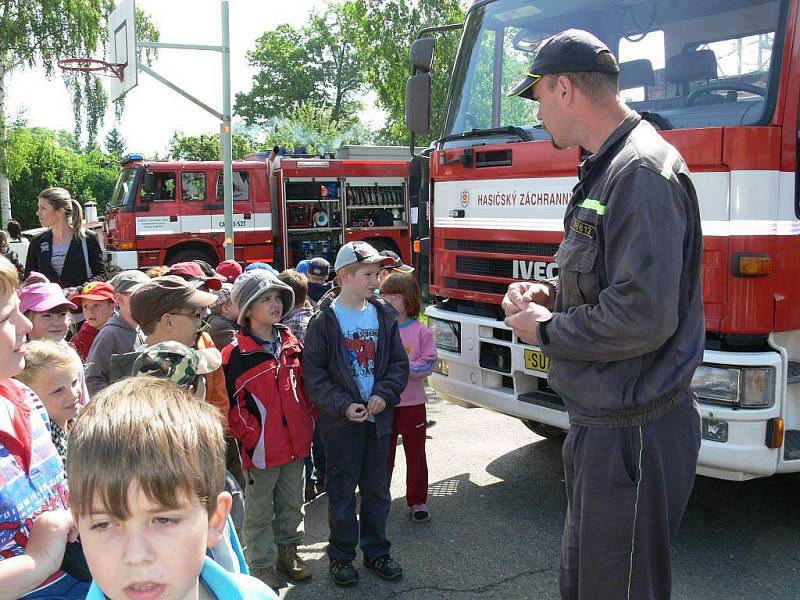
499, 540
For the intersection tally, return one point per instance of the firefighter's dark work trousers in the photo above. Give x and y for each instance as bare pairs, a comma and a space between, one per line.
627, 489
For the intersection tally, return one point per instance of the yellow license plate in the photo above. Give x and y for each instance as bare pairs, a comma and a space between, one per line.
536, 360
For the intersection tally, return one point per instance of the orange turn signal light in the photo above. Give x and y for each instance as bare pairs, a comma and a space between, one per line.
751, 265
127, 246
775, 433
416, 246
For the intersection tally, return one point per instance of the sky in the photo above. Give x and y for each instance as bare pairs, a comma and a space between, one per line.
153, 111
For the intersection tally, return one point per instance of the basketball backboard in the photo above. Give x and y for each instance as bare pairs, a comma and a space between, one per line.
122, 47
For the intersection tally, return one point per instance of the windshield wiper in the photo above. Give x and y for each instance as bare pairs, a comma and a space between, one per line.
518, 132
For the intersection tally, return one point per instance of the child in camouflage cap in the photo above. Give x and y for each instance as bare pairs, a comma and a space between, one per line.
175, 361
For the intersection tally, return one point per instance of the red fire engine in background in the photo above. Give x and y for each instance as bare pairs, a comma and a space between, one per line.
164, 212
721, 80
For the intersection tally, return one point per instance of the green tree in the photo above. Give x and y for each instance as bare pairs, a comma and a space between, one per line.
37, 160
42, 32
316, 64
384, 37
115, 143
206, 146
315, 129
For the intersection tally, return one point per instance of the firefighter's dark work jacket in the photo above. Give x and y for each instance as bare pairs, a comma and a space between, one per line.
628, 328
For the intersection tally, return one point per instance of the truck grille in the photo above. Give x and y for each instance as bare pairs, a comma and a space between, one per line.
469, 285
469, 265
493, 247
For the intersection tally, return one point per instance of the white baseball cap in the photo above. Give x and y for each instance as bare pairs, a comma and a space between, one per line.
359, 252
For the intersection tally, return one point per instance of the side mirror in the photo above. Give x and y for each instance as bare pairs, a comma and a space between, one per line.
422, 54
418, 103
149, 186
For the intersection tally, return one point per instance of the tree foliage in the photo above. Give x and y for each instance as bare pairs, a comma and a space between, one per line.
316, 130
42, 32
115, 143
328, 64
387, 30
207, 146
37, 160
315, 65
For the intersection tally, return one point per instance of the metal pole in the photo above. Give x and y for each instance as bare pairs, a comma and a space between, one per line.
225, 132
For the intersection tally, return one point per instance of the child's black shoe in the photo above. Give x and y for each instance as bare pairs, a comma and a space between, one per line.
343, 572
385, 567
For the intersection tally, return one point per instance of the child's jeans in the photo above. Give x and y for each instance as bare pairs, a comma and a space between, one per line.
411, 423
273, 512
356, 456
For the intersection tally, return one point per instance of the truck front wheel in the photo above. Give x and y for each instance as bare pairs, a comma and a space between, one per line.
189, 255
546, 431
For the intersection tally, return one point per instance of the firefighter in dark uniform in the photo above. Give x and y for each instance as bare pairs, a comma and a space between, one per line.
623, 324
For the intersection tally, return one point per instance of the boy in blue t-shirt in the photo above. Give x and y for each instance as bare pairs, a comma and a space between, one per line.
355, 368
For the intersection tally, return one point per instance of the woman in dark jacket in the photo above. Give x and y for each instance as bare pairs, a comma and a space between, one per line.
67, 254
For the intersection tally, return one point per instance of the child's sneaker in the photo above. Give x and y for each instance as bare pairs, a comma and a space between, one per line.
384, 566
343, 572
419, 513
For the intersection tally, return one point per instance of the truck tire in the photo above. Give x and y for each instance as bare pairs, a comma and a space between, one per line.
190, 255
546, 431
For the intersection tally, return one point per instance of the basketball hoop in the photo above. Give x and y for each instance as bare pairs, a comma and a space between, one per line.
94, 66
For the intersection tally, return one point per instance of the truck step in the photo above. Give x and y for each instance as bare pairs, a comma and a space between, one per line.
543, 399
791, 445
794, 372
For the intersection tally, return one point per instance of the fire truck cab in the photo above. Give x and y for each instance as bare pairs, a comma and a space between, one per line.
721, 80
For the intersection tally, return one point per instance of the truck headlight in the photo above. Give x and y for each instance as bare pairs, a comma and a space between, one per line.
446, 333
745, 387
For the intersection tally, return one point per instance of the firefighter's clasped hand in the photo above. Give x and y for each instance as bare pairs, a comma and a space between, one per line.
525, 305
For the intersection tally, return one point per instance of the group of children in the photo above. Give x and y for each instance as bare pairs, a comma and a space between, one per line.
303, 364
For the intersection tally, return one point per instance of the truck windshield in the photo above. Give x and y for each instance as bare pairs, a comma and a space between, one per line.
125, 190
687, 63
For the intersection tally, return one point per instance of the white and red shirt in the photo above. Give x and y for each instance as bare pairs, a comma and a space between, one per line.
31, 473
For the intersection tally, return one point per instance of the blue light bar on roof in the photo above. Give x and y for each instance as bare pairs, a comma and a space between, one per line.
128, 158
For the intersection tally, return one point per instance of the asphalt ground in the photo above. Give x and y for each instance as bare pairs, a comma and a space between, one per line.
497, 500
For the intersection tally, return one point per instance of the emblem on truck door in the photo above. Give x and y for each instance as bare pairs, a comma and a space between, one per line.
464, 198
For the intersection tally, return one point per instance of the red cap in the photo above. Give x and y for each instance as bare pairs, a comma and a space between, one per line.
95, 290
229, 269
193, 271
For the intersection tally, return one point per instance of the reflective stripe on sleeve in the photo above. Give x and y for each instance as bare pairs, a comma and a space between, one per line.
594, 205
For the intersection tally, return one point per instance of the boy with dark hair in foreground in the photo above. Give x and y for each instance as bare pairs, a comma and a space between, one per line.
146, 467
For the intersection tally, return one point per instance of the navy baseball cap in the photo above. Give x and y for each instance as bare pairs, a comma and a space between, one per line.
571, 51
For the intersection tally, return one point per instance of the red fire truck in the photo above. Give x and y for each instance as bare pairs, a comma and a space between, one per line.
721, 80
165, 212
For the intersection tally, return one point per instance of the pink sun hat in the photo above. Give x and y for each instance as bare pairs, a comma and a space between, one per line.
42, 297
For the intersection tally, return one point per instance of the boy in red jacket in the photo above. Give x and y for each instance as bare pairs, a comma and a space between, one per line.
272, 419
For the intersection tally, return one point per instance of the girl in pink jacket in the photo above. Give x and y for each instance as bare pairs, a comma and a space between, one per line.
410, 417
